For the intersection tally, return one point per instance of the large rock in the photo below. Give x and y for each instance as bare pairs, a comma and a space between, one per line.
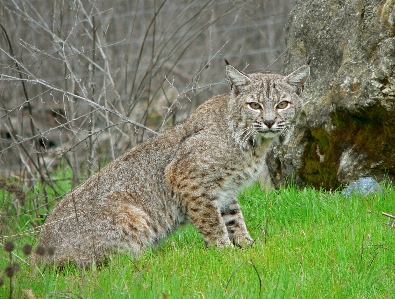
348, 126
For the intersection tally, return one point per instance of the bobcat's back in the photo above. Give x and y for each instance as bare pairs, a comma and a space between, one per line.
192, 171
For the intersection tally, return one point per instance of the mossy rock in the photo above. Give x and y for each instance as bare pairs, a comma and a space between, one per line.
347, 130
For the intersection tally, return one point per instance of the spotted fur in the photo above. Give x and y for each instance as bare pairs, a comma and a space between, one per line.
190, 172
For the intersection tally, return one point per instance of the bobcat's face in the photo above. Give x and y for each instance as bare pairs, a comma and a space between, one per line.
266, 103
268, 107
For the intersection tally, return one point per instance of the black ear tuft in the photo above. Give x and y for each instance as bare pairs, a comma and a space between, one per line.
226, 61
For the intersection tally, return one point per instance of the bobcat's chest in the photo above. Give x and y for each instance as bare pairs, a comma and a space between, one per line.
246, 170
253, 167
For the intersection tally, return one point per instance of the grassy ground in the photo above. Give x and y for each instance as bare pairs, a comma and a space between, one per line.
309, 244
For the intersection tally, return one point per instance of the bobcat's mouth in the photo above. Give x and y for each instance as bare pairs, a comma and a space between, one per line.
268, 132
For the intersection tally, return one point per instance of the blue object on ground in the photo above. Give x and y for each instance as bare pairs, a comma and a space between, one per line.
363, 186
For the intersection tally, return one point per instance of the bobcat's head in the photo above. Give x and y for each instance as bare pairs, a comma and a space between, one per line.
263, 105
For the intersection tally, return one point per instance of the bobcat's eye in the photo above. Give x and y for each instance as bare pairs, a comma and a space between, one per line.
254, 105
282, 105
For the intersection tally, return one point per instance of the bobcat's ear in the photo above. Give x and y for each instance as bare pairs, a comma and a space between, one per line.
236, 77
298, 77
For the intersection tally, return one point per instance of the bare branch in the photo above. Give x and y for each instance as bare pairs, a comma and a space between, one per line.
4, 77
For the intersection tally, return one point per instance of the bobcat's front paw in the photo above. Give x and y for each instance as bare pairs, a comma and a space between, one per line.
222, 243
243, 241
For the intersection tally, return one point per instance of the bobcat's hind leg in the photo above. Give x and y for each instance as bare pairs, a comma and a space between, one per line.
236, 227
126, 225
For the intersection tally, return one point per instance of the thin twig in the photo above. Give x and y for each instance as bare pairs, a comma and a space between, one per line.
233, 273
388, 215
259, 277
4, 77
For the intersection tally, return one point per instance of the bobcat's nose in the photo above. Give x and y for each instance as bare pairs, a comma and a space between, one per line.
269, 123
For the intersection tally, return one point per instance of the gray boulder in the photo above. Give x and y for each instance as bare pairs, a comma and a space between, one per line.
347, 130
363, 187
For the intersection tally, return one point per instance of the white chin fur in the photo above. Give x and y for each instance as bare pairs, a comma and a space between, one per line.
269, 134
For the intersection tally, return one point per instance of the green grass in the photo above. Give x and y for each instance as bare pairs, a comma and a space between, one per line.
309, 244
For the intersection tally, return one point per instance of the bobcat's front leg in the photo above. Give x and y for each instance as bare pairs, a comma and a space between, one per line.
206, 217
234, 221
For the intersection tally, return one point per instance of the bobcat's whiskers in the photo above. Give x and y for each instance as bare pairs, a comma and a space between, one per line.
244, 135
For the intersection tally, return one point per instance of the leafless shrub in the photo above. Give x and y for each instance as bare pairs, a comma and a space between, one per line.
82, 81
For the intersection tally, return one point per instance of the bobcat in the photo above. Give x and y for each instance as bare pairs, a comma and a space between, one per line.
190, 172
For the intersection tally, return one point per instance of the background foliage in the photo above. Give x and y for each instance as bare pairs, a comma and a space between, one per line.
82, 81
